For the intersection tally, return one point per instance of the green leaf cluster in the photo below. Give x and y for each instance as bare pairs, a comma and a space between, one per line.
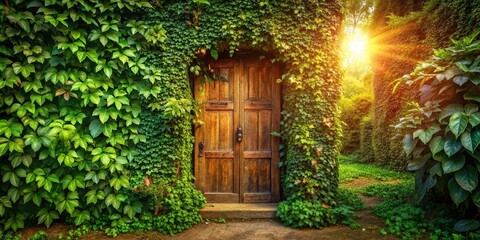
72, 77
442, 131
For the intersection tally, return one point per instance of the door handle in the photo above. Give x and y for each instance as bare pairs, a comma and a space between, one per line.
201, 147
239, 134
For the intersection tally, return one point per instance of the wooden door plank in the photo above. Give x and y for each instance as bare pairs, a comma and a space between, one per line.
258, 197
257, 154
275, 74
238, 76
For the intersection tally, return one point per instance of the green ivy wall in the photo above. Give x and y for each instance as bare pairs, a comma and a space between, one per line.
97, 107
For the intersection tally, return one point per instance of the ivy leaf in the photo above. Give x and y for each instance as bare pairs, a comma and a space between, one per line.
25, 25
81, 56
418, 163
460, 80
214, 54
96, 128
467, 178
450, 110
474, 119
15, 222
470, 108
472, 95
115, 201
93, 56
436, 145
452, 146
69, 204
450, 165
108, 71
81, 217
47, 217
409, 144
458, 123
471, 140
457, 193
466, 225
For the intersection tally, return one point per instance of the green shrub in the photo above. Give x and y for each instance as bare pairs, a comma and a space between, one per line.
300, 214
442, 132
408, 31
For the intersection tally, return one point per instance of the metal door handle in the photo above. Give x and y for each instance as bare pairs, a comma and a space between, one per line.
201, 147
239, 134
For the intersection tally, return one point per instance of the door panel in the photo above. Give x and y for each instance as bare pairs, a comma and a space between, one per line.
229, 170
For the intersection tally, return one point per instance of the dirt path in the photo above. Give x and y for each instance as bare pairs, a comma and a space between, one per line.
251, 229
256, 229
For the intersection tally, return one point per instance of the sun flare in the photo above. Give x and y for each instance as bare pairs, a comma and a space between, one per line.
357, 46
355, 50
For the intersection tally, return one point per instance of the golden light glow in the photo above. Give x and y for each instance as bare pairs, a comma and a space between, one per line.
357, 46
355, 50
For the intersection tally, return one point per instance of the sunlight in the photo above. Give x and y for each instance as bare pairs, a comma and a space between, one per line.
355, 51
357, 46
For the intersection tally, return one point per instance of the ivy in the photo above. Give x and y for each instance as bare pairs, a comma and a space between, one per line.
71, 73
90, 91
303, 35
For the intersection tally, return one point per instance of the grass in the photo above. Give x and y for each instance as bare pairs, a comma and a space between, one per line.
349, 169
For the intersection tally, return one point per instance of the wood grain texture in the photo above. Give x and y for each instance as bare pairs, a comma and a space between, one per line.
246, 170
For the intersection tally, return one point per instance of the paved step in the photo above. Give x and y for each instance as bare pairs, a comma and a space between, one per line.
239, 210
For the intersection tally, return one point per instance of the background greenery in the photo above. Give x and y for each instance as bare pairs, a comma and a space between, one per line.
406, 32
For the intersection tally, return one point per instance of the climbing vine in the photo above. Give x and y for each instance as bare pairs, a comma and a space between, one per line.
96, 103
70, 97
303, 35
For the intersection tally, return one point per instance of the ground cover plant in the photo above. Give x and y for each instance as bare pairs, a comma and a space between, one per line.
351, 168
404, 215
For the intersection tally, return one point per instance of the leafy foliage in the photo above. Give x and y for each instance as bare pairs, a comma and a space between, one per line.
409, 30
303, 35
353, 111
70, 87
442, 132
298, 214
91, 92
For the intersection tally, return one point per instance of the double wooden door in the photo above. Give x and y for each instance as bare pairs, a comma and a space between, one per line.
236, 156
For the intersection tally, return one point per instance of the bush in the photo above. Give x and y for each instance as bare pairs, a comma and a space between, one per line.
72, 80
442, 132
300, 214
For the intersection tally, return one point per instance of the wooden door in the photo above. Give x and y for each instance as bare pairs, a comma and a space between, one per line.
239, 168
